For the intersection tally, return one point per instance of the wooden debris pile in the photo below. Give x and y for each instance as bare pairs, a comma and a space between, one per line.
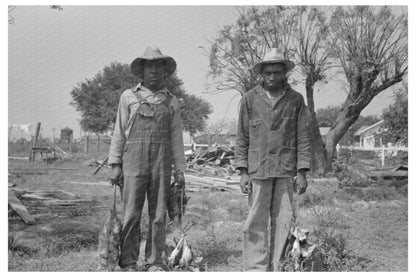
215, 156
54, 203
212, 169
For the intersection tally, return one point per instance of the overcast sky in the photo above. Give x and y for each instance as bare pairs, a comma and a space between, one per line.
50, 51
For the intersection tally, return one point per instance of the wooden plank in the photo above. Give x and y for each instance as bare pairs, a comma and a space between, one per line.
18, 158
46, 193
20, 208
101, 183
381, 174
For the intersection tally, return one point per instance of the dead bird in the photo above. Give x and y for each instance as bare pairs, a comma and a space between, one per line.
187, 255
174, 204
176, 254
109, 239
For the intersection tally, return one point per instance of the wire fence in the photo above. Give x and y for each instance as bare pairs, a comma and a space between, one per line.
375, 156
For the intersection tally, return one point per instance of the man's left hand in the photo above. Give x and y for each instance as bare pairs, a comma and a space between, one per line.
301, 183
179, 179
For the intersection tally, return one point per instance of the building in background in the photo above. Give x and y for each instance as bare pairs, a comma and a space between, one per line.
67, 135
367, 136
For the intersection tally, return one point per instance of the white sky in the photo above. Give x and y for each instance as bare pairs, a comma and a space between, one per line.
51, 51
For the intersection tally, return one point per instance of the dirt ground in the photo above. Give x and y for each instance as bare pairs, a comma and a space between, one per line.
375, 230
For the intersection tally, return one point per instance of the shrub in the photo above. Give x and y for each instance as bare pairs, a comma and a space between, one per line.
332, 245
334, 253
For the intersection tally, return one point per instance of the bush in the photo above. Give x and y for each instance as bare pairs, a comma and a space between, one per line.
331, 244
334, 253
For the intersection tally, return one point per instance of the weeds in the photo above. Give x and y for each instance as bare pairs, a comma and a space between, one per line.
332, 244
310, 199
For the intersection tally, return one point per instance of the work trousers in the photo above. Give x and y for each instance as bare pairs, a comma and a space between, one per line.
136, 188
270, 204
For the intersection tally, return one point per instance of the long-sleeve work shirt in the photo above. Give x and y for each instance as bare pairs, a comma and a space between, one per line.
272, 137
129, 102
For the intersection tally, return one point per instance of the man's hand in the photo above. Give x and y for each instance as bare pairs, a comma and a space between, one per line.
301, 183
179, 179
116, 174
245, 182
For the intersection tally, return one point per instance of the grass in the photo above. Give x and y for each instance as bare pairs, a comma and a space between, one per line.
357, 229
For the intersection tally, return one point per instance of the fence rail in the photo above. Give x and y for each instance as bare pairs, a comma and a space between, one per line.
381, 150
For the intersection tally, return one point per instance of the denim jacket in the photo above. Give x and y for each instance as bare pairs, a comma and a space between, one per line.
272, 140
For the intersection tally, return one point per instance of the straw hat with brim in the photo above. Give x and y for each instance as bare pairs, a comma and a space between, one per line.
152, 54
273, 57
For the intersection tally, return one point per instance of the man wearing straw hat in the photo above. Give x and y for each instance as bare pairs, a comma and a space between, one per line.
272, 148
147, 138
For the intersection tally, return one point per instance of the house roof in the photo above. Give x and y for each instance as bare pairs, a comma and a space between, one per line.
364, 129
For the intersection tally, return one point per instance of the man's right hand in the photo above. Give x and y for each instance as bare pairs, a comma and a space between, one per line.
245, 183
116, 173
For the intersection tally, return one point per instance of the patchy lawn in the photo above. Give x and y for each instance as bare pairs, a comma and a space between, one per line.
369, 227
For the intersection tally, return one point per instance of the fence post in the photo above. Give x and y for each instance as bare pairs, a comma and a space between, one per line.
86, 145
98, 143
35, 141
383, 156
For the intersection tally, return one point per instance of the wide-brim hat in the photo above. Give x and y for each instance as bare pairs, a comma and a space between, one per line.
152, 54
274, 56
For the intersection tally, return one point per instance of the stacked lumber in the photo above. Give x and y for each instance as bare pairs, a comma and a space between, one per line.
211, 183
56, 203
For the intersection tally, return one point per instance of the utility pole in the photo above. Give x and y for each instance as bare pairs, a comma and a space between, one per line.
53, 132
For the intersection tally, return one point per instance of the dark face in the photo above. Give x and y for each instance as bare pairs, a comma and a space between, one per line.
274, 76
154, 72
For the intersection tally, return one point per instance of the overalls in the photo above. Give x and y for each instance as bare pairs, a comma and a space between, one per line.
147, 170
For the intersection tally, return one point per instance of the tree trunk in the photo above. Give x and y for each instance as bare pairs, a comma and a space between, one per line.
318, 151
347, 116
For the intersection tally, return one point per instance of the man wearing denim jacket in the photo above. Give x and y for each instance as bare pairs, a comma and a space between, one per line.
272, 148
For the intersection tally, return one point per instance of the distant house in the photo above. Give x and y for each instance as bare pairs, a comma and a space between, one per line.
366, 135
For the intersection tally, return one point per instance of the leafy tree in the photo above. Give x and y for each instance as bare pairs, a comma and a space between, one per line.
371, 46
300, 32
368, 43
327, 116
97, 99
396, 119
195, 111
